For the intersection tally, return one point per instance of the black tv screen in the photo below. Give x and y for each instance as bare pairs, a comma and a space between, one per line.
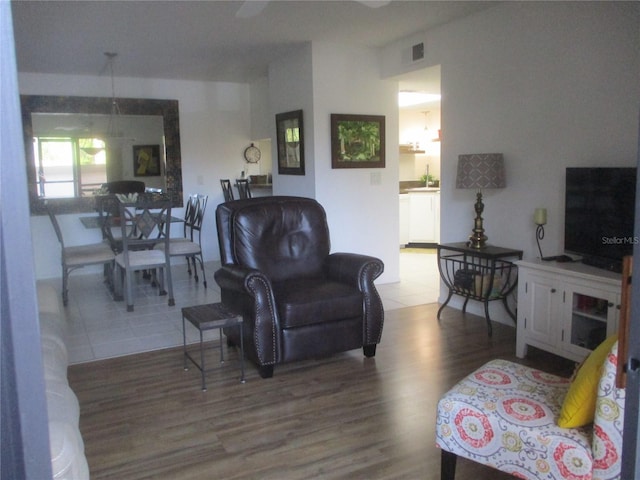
599, 214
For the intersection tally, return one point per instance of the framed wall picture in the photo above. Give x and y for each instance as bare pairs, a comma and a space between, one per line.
146, 160
357, 141
290, 138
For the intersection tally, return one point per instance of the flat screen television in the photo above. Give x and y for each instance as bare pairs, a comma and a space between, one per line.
599, 215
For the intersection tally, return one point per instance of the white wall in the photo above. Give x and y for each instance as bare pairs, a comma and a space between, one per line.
261, 121
214, 131
321, 79
291, 88
548, 84
362, 203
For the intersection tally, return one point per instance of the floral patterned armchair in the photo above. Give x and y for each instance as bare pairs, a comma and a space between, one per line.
504, 415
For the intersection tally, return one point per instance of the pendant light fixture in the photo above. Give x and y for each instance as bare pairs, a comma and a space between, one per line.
114, 129
91, 150
115, 116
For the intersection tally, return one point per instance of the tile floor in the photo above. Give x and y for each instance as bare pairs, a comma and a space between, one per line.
101, 328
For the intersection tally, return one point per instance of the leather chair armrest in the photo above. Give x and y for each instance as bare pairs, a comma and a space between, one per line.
361, 270
249, 291
353, 268
232, 277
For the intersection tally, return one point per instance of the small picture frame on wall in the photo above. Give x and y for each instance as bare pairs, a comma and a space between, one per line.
357, 141
146, 160
290, 138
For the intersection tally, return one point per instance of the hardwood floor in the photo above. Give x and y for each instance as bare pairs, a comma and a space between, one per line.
143, 416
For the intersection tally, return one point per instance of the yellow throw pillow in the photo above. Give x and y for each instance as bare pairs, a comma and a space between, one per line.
579, 404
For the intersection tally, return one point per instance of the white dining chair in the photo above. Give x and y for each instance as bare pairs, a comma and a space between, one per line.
78, 256
144, 224
190, 245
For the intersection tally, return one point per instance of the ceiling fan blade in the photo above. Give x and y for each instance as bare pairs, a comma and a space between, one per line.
251, 8
374, 3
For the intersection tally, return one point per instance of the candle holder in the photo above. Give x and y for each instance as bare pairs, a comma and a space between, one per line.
540, 236
540, 219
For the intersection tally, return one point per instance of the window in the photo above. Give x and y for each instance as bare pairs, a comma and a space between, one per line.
292, 135
69, 167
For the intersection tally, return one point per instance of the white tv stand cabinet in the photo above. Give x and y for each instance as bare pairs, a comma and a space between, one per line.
565, 308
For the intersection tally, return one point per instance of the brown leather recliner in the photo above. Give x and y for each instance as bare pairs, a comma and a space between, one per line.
298, 300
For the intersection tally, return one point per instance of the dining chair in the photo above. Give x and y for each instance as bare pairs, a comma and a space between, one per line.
227, 191
244, 191
139, 223
190, 245
74, 257
108, 208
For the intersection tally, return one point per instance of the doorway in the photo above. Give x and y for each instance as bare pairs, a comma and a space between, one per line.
419, 159
419, 168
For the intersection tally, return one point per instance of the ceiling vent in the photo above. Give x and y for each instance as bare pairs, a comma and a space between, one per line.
417, 52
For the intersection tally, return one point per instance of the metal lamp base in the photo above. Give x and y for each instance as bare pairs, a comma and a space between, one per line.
478, 239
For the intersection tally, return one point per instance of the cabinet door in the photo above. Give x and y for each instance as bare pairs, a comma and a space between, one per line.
404, 219
436, 217
423, 212
590, 315
540, 314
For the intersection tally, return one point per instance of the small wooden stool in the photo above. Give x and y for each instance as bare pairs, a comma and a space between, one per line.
208, 317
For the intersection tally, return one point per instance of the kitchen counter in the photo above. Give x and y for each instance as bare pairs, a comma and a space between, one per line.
407, 186
423, 189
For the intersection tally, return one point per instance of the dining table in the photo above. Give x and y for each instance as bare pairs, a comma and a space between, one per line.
94, 221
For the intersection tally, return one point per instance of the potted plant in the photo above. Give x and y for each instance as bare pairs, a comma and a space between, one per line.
430, 180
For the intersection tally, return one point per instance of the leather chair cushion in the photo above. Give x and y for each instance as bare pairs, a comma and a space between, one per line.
282, 240
315, 300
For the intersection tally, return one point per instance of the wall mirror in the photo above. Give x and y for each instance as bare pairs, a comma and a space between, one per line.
290, 135
141, 122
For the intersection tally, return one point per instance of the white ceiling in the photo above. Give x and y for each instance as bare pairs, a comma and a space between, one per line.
205, 40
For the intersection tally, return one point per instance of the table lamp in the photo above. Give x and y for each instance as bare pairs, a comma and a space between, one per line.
478, 171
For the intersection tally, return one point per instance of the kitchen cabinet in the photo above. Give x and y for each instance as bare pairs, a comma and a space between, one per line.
404, 218
424, 216
566, 308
